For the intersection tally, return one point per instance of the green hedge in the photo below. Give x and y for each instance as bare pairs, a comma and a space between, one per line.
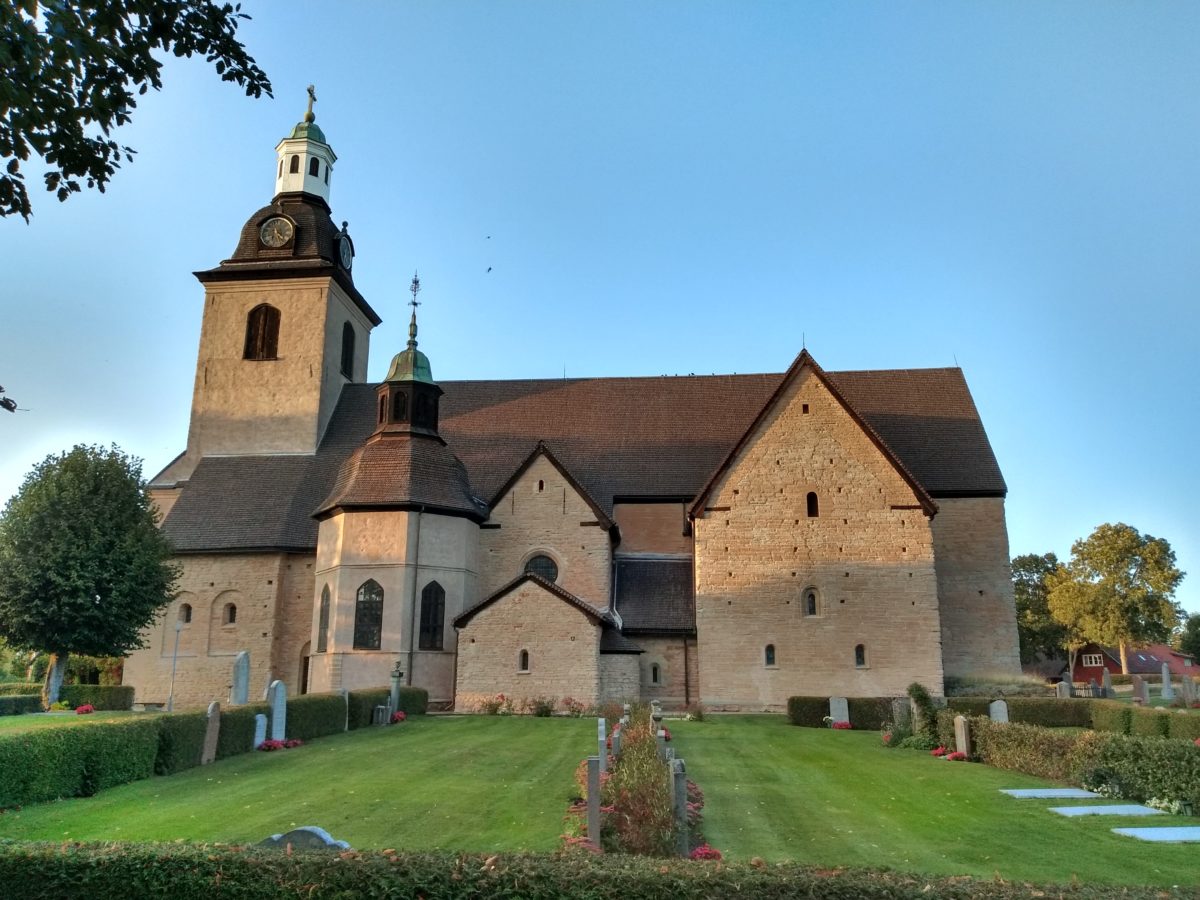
1032, 749
315, 715
1050, 712
1149, 722
237, 729
1111, 716
869, 713
20, 704
1140, 768
1185, 727
808, 712
361, 705
75, 762
180, 741
19, 687
120, 871
102, 697
414, 701
945, 726
969, 706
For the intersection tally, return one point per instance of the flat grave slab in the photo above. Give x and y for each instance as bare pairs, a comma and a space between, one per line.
1183, 834
1049, 793
1127, 809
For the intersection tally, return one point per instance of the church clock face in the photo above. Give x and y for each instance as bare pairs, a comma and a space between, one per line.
345, 252
275, 232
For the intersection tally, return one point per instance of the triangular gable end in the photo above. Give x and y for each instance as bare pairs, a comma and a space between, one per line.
541, 449
803, 361
550, 587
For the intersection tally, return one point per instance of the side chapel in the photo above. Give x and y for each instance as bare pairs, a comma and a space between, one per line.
726, 539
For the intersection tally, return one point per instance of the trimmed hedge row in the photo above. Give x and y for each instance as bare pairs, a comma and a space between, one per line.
75, 762
102, 697
180, 741
1032, 749
413, 701
237, 729
9, 688
1047, 711
315, 715
869, 713
119, 871
1109, 715
19, 704
808, 712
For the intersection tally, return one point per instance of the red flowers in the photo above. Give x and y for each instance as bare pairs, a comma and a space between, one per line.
938, 751
956, 756
85, 709
841, 726
705, 852
268, 746
666, 735
398, 717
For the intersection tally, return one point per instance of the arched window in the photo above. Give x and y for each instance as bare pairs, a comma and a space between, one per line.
810, 603
813, 510
399, 407
185, 613
348, 350
523, 661
368, 616
314, 167
860, 656
543, 566
655, 674
294, 165
323, 621
229, 614
769, 655
262, 333
280, 169
327, 174
382, 409
433, 612
541, 485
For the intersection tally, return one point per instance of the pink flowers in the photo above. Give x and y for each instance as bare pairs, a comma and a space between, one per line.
666, 733
398, 717
938, 751
268, 746
956, 756
841, 726
85, 709
705, 852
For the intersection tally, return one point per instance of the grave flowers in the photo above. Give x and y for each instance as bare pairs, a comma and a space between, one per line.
268, 746
398, 717
938, 751
956, 756
705, 852
85, 709
841, 726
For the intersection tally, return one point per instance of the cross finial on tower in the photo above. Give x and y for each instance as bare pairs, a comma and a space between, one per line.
415, 288
309, 116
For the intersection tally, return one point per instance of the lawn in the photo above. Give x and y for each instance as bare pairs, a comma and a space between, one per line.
469, 783
839, 798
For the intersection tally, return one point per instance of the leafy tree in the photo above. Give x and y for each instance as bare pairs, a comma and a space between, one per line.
68, 67
1189, 637
1117, 589
1039, 633
83, 566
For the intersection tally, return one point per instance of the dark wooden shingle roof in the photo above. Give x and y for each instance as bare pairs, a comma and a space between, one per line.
655, 596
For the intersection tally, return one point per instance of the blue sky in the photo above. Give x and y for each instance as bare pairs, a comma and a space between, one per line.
685, 187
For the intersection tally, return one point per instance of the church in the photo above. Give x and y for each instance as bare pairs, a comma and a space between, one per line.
730, 540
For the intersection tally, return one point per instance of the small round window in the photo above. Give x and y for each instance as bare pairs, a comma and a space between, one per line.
543, 567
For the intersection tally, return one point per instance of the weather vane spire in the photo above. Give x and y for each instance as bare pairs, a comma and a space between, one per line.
414, 288
309, 116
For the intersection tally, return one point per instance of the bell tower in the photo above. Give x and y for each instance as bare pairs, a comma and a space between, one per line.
284, 327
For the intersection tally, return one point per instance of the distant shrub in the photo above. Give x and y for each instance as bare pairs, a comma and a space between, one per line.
9, 688
1138, 768
180, 741
1184, 727
1149, 722
993, 686
968, 706
1050, 712
925, 720
414, 701
104, 697
869, 713
1111, 716
362, 705
808, 712
315, 715
1044, 752
19, 704
541, 707
237, 729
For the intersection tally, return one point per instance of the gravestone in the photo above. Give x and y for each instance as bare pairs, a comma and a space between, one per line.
901, 711
602, 743
307, 837
593, 802
1168, 689
998, 710
277, 697
679, 798
616, 742
1187, 691
1107, 682
839, 709
1141, 689
260, 730
239, 694
1094, 688
1063, 690
962, 735
212, 731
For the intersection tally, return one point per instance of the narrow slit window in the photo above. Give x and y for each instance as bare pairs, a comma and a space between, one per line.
294, 165
323, 622
813, 505
262, 333
523, 661
860, 656
185, 613
433, 613
769, 655
229, 614
347, 349
400, 407
655, 674
810, 603
314, 167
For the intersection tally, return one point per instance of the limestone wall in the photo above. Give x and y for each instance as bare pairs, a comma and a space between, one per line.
293, 620
562, 642
620, 679
868, 555
979, 625
549, 520
678, 668
652, 527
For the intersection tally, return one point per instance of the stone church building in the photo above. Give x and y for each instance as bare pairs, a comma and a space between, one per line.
726, 539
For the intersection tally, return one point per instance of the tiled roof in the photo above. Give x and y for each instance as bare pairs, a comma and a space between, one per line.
612, 641
583, 606
619, 437
655, 596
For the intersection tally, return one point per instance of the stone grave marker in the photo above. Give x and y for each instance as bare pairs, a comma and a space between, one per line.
602, 743
239, 694
1168, 689
1107, 683
901, 712
260, 730
212, 731
679, 799
277, 697
962, 735
1187, 691
1094, 688
998, 710
839, 709
593, 802
1063, 690
1141, 689
307, 837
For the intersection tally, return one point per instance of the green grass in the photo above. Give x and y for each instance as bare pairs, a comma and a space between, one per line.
839, 798
37, 721
470, 783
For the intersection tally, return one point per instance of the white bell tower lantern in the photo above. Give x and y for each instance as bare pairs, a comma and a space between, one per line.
304, 161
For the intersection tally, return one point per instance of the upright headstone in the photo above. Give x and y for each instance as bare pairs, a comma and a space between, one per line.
998, 710
212, 731
839, 709
277, 697
1141, 690
1106, 682
616, 742
602, 743
660, 738
1063, 690
962, 735
1168, 689
1187, 691
1094, 689
260, 730
901, 712
593, 802
306, 837
239, 694
679, 798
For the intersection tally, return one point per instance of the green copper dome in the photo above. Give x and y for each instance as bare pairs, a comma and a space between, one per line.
410, 364
310, 131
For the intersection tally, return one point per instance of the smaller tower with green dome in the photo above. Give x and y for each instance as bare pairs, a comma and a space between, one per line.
305, 161
408, 396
